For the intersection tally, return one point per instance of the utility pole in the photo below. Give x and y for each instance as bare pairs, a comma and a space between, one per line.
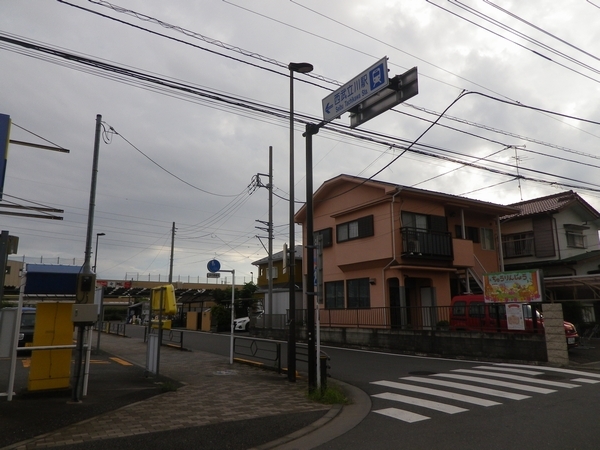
87, 276
172, 249
269, 229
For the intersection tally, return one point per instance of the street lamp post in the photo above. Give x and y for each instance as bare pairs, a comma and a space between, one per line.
300, 68
96, 253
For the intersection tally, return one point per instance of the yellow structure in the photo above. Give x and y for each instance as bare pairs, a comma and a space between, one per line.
166, 324
167, 295
51, 369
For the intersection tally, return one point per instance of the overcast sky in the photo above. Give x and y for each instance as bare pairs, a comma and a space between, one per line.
190, 159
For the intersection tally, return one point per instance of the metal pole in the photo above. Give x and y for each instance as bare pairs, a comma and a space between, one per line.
86, 270
292, 249
270, 228
92, 206
172, 250
232, 314
310, 285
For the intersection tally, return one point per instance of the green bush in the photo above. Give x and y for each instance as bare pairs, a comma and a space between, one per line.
220, 316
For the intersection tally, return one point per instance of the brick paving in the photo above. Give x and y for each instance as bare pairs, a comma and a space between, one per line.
214, 392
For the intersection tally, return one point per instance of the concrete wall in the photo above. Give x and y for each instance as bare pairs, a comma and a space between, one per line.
507, 346
556, 345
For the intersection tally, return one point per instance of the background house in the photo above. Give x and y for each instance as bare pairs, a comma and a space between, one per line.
558, 234
280, 301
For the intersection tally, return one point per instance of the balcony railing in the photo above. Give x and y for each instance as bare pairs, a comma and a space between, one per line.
514, 248
417, 242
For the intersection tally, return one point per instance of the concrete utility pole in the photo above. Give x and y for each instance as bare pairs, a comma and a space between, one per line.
172, 250
270, 227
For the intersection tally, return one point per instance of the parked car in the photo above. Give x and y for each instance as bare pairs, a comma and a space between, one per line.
471, 313
241, 324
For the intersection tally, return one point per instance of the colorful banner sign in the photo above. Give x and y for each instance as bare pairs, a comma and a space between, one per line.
521, 286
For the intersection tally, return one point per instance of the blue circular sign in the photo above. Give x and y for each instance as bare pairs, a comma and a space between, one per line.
213, 266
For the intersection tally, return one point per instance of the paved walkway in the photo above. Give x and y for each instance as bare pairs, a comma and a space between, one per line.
214, 392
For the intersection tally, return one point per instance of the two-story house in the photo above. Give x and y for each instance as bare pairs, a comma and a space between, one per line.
557, 234
279, 303
387, 248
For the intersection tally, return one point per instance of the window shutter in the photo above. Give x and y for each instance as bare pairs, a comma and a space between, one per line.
543, 237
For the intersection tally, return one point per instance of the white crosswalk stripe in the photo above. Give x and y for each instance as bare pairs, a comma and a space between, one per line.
557, 369
437, 406
585, 380
519, 387
509, 369
405, 416
522, 378
469, 387
519, 378
437, 393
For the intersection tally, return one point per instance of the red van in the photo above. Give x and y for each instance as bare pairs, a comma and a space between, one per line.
471, 313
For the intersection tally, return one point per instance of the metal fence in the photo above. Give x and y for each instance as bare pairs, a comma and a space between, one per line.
417, 318
117, 328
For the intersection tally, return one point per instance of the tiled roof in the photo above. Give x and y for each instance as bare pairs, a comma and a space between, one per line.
549, 204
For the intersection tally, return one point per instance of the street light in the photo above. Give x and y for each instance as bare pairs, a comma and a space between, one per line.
302, 67
96, 254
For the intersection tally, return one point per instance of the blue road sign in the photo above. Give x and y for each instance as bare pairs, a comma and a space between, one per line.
356, 91
213, 266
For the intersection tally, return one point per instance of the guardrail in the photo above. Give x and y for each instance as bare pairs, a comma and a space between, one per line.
172, 338
302, 355
263, 351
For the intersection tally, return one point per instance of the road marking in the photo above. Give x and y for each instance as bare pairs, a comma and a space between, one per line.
585, 380
121, 361
437, 406
400, 414
557, 369
469, 387
520, 387
518, 378
437, 392
506, 369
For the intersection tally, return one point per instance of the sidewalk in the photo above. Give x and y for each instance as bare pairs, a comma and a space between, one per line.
237, 406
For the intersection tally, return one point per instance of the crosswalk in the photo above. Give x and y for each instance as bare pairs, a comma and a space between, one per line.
493, 384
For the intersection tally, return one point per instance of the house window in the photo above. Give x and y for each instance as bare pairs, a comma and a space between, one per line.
472, 233
355, 229
359, 295
327, 236
274, 272
518, 244
334, 294
575, 239
487, 238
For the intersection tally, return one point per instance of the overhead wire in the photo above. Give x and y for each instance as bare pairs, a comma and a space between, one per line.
255, 106
535, 52
280, 64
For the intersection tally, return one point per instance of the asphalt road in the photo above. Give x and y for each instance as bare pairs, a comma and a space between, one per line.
537, 414
562, 419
